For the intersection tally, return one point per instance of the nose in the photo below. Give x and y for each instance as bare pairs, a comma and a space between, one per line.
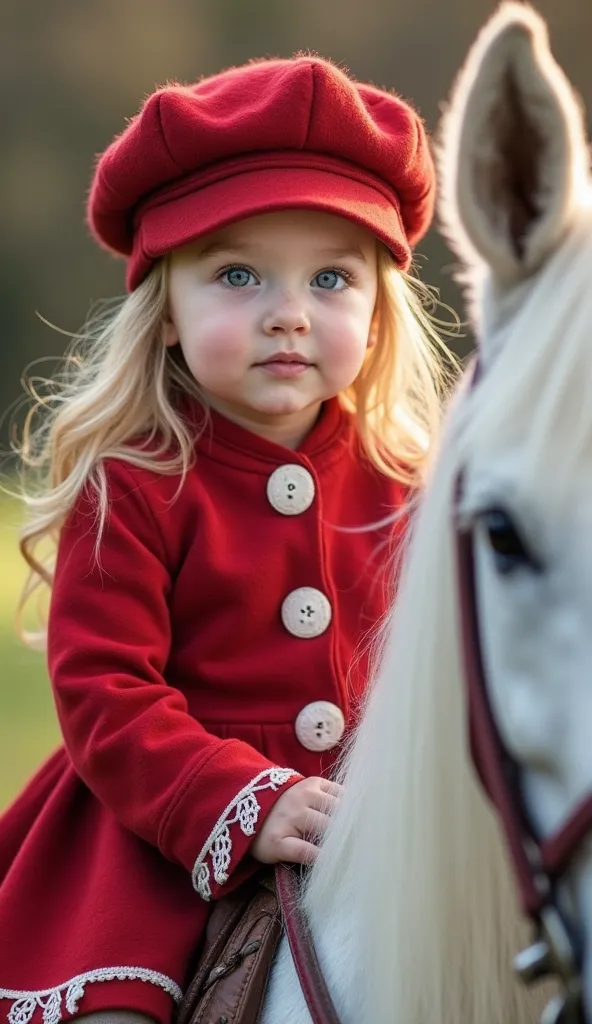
286, 315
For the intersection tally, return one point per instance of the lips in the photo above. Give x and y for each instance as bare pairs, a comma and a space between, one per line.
286, 365
286, 357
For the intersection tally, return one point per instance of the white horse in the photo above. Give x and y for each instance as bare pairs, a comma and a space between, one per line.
412, 904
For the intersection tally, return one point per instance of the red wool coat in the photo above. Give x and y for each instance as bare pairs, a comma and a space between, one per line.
209, 658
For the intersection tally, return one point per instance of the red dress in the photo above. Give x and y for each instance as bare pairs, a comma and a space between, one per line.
208, 659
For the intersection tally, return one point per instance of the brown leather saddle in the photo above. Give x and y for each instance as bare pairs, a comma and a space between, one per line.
242, 937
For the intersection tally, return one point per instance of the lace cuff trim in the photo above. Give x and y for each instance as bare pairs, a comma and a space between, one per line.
50, 999
218, 845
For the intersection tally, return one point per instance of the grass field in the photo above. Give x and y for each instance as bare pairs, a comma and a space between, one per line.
28, 727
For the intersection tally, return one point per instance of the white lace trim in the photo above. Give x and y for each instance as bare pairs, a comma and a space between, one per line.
50, 999
218, 845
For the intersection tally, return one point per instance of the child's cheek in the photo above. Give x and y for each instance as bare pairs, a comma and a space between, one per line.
346, 351
228, 341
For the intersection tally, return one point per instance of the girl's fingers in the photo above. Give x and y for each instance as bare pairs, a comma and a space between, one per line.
332, 788
297, 851
324, 802
314, 822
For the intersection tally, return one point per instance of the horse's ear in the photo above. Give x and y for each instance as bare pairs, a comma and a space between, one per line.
513, 154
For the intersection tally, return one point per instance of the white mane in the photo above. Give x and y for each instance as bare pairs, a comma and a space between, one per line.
536, 390
413, 831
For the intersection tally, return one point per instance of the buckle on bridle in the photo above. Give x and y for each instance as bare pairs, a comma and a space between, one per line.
553, 952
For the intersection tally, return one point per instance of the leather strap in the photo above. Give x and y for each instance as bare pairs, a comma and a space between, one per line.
313, 985
559, 849
537, 863
490, 758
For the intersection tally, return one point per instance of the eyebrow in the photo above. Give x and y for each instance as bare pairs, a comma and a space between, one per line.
343, 253
215, 248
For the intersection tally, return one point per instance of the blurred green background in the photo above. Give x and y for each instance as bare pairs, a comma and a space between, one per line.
71, 72
28, 729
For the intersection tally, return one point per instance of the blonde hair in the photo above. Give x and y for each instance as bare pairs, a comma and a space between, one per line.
397, 396
115, 398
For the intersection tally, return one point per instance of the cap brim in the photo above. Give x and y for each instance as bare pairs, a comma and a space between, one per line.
179, 221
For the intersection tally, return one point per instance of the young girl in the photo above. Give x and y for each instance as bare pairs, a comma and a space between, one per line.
222, 469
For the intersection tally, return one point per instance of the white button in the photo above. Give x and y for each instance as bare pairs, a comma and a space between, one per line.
290, 489
320, 725
306, 612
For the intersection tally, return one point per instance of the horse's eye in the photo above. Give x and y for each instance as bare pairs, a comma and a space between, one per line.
509, 550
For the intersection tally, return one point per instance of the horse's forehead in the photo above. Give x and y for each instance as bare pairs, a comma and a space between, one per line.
501, 304
550, 496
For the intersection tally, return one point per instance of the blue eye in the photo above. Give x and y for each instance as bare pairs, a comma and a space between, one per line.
329, 280
237, 277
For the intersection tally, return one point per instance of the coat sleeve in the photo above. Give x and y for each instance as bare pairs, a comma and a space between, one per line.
131, 739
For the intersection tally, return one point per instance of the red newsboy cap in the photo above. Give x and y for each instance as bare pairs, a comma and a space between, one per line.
270, 135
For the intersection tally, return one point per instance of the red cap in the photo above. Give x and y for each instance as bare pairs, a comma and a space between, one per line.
270, 135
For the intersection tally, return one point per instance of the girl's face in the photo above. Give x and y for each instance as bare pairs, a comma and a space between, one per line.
273, 315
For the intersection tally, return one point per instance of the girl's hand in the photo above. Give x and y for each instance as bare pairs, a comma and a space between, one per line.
303, 810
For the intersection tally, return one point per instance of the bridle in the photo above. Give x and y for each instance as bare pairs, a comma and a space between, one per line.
314, 987
538, 863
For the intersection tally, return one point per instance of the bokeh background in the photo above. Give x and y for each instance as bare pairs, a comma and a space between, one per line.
71, 72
